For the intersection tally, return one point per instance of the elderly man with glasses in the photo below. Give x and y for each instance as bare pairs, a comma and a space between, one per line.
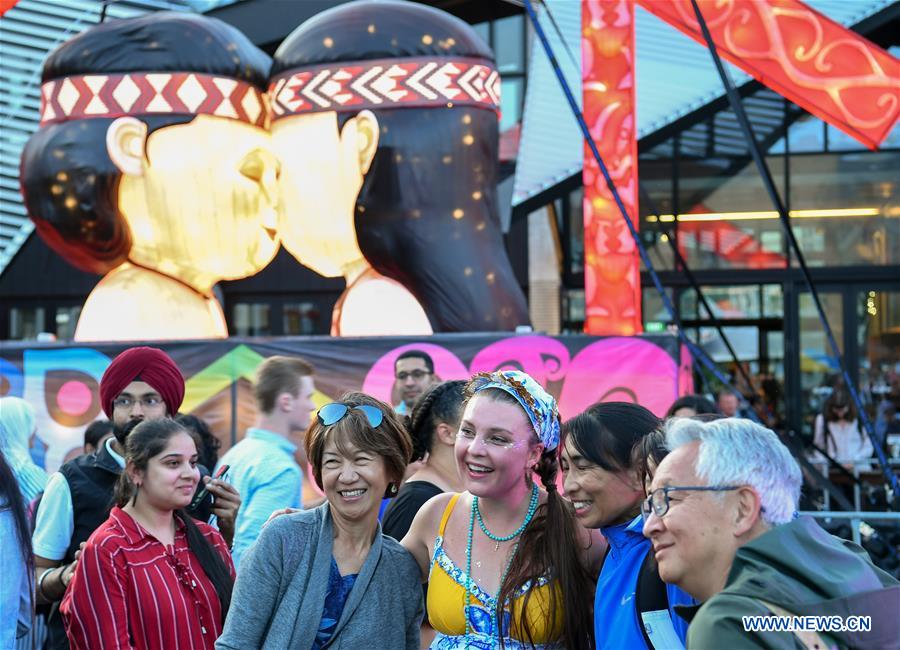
722, 518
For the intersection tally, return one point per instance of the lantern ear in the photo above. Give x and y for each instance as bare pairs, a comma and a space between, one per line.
364, 129
125, 141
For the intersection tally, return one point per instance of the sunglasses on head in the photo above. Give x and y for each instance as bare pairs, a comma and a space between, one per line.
335, 412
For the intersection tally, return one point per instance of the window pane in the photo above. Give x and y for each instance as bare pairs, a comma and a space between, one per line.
773, 301
807, 134
845, 208
511, 95
576, 231
484, 31
878, 333
574, 310
653, 310
818, 367
66, 320
251, 319
727, 220
25, 323
300, 318
726, 302
509, 44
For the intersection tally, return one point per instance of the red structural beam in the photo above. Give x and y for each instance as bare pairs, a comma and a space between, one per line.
612, 285
826, 69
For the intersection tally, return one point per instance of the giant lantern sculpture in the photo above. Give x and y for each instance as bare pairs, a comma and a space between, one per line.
152, 165
385, 119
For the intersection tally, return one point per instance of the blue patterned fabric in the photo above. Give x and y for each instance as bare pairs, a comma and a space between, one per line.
339, 588
538, 403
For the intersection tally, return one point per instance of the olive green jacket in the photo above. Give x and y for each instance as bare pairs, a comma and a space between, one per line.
800, 568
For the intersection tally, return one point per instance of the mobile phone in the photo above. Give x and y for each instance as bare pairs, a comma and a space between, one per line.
201, 495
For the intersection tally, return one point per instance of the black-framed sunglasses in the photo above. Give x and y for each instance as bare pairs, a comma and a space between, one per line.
658, 501
335, 412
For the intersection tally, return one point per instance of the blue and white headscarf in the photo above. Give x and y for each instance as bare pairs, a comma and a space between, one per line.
538, 403
16, 427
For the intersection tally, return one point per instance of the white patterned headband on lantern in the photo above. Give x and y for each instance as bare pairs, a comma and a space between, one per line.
88, 96
423, 82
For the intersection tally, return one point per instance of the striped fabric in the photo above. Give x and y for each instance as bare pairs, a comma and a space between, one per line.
131, 591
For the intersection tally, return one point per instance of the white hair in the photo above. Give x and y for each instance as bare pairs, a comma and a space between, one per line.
736, 451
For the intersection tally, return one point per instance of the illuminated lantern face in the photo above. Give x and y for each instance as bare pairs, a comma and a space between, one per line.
200, 199
321, 176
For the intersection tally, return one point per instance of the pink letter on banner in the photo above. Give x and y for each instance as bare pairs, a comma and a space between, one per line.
620, 369
542, 357
612, 285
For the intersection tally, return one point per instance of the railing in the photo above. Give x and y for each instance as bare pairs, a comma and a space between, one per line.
857, 465
855, 517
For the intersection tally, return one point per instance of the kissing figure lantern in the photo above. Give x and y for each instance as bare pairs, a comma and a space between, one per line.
153, 166
385, 119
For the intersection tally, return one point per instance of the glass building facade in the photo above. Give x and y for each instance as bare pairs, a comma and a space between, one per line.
704, 209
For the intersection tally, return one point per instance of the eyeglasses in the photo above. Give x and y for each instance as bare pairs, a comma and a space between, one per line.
335, 412
148, 401
415, 374
658, 501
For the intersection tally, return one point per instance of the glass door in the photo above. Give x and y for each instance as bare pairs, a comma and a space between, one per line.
819, 369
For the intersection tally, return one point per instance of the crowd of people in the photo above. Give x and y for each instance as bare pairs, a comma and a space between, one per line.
470, 515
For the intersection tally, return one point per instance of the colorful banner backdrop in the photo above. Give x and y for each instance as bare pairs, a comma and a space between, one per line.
612, 285
835, 74
61, 382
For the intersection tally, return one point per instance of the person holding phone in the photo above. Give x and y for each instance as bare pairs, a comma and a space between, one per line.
263, 466
141, 384
151, 577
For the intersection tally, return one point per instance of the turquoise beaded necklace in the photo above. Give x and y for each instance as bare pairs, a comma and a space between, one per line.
476, 512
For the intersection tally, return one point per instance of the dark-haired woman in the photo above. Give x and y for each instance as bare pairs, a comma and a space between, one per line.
601, 480
433, 425
837, 431
151, 576
16, 561
328, 577
505, 561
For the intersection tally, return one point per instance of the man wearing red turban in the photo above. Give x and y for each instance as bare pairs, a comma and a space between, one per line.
140, 384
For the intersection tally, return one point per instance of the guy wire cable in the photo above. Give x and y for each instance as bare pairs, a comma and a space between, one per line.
738, 108
697, 351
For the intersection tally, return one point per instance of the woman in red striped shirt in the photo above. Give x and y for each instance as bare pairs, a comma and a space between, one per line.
150, 577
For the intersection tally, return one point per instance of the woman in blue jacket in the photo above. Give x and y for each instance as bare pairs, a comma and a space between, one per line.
605, 485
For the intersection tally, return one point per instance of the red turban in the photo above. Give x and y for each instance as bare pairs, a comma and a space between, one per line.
149, 365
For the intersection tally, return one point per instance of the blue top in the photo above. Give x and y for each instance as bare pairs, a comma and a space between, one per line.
15, 583
264, 472
616, 622
338, 589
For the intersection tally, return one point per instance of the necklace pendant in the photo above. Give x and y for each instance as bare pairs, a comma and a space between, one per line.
496, 545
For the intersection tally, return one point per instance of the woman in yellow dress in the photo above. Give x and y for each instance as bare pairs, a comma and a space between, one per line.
506, 564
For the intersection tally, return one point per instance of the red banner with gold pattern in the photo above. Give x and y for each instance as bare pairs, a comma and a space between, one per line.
612, 285
6, 5
826, 69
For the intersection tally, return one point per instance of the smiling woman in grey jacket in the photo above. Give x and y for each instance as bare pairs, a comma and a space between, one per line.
328, 578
